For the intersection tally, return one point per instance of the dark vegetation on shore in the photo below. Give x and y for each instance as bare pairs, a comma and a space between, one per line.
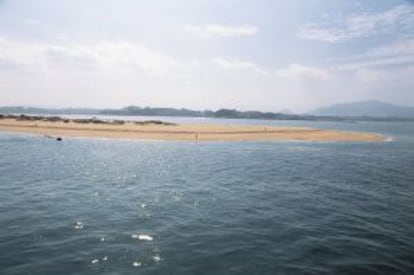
81, 120
222, 113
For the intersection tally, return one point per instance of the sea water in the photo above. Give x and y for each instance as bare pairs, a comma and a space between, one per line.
102, 206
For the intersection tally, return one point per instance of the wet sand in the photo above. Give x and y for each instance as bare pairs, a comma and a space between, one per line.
184, 132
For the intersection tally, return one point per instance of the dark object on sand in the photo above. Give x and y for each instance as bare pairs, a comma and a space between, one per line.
59, 139
24, 117
51, 118
156, 122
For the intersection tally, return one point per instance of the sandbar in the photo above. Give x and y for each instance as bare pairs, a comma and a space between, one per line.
179, 132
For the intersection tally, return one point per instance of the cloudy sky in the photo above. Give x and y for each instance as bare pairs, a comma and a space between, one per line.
268, 55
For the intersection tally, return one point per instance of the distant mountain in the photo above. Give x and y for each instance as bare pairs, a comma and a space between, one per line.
371, 108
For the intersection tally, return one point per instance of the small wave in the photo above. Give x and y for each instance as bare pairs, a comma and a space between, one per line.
389, 139
142, 237
302, 148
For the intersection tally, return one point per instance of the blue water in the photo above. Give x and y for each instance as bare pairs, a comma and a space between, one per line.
78, 206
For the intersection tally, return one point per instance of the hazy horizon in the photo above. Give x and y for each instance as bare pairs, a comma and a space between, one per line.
262, 55
243, 110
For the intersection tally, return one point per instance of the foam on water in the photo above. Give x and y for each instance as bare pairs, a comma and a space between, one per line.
78, 225
145, 237
142, 237
95, 261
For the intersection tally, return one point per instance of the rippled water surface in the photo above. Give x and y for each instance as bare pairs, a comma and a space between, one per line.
100, 206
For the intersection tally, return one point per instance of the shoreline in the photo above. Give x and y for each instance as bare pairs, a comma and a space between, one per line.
159, 130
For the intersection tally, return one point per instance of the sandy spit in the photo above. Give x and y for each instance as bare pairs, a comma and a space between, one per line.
184, 132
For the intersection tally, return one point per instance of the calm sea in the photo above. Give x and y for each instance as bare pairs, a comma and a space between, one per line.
101, 206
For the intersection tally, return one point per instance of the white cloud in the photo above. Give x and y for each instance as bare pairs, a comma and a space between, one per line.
402, 47
297, 71
369, 75
388, 61
217, 30
238, 65
380, 76
399, 19
292, 72
102, 56
135, 57
400, 53
31, 22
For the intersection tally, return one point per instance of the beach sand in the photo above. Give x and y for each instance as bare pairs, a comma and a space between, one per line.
184, 132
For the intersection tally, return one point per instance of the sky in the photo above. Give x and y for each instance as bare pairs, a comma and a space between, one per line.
268, 55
